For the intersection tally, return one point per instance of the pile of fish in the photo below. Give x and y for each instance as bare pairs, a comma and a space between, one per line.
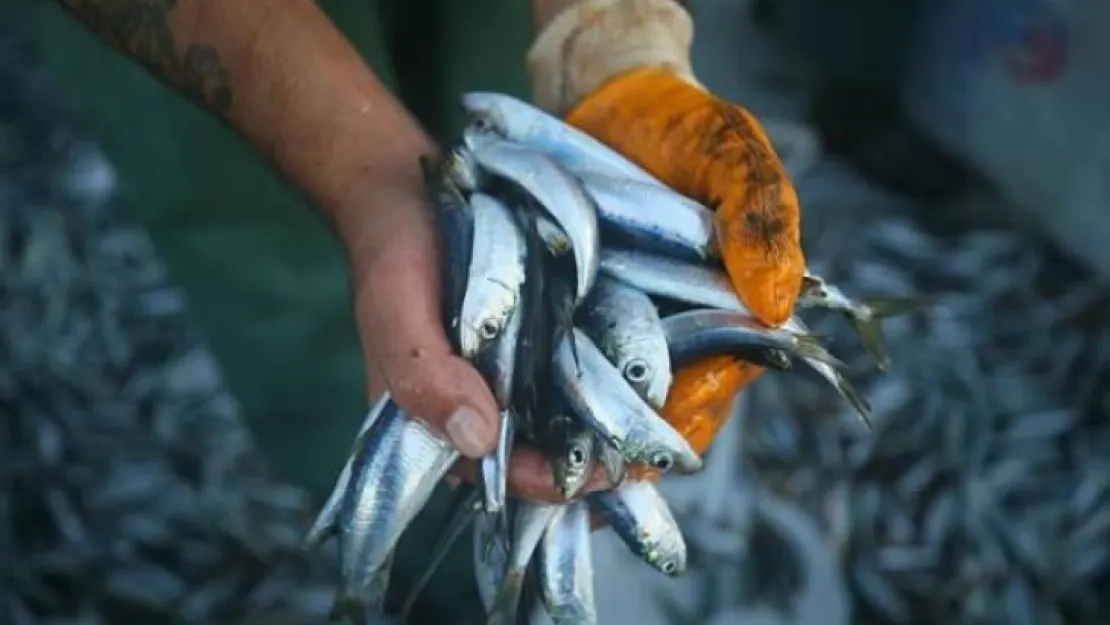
130, 492
983, 493
559, 255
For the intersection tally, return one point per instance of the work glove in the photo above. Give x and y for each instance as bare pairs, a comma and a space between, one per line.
620, 70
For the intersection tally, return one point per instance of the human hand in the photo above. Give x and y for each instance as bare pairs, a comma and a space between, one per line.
620, 70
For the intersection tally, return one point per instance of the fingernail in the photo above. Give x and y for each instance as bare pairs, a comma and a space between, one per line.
469, 432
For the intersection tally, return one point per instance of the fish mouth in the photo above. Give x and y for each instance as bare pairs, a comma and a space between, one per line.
656, 393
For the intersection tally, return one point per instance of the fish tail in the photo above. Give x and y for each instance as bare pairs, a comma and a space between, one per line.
809, 346
350, 608
507, 604
858, 402
320, 532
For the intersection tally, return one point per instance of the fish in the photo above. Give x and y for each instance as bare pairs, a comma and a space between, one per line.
625, 325
652, 217
696, 334
601, 396
495, 275
532, 385
325, 526
568, 444
527, 125
461, 512
461, 169
866, 316
640, 516
497, 365
455, 223
555, 190
705, 286
529, 524
495, 467
490, 558
566, 571
398, 464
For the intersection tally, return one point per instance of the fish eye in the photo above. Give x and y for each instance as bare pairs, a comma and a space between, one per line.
668, 567
489, 329
576, 456
481, 123
662, 461
636, 371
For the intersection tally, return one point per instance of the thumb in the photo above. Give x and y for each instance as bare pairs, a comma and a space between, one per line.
397, 307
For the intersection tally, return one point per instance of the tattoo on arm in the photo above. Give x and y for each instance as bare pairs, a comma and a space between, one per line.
142, 29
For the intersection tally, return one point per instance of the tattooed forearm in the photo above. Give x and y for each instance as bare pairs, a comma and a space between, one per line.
143, 29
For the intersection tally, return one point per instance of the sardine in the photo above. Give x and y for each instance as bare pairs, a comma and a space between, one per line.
495, 276
326, 523
568, 444
495, 467
498, 363
525, 124
704, 286
455, 222
491, 559
601, 396
638, 514
529, 523
697, 334
652, 216
866, 316
397, 466
555, 190
624, 323
566, 567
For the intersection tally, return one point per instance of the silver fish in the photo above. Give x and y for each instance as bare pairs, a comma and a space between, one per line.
600, 395
529, 523
397, 466
491, 559
653, 216
495, 277
495, 467
705, 286
695, 334
866, 316
566, 567
641, 517
326, 524
527, 125
555, 190
569, 445
625, 325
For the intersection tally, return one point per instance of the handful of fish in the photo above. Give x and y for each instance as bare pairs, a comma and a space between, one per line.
589, 295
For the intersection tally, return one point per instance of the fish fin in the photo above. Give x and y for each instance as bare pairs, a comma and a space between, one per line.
869, 325
507, 604
809, 346
612, 463
348, 607
323, 529
465, 508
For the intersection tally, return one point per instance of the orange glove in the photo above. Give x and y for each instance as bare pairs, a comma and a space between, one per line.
620, 70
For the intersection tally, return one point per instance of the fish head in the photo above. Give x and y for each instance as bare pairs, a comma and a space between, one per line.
667, 555
571, 461
478, 334
488, 112
485, 315
648, 372
461, 168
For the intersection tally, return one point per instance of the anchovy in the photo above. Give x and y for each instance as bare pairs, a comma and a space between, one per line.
527, 125
566, 567
495, 277
638, 514
653, 216
600, 395
455, 222
530, 522
696, 334
555, 190
866, 316
625, 325
704, 286
398, 464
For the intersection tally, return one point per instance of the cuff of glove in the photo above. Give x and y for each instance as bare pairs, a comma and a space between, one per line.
593, 41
